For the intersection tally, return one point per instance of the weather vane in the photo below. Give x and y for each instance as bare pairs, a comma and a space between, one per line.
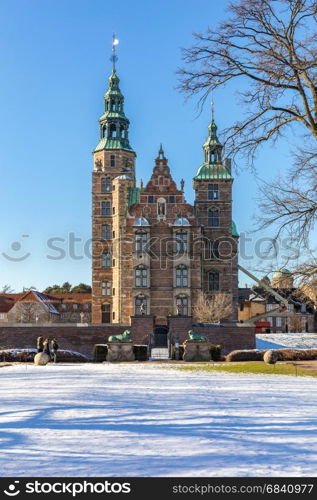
114, 56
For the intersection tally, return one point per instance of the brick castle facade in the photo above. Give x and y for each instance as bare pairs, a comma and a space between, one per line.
154, 253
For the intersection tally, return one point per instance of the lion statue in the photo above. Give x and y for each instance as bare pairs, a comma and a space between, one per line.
196, 337
123, 337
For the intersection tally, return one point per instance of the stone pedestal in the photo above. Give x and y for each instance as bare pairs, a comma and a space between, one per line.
196, 351
120, 351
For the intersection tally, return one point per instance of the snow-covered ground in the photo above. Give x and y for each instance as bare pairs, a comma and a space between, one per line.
149, 420
280, 340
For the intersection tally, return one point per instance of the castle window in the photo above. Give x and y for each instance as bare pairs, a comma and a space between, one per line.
182, 305
75, 307
140, 241
106, 288
106, 260
181, 276
181, 242
140, 305
112, 161
122, 132
213, 281
150, 199
213, 191
105, 184
105, 313
106, 231
171, 199
106, 208
141, 276
213, 217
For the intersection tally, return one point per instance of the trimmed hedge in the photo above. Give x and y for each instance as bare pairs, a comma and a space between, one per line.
287, 354
27, 355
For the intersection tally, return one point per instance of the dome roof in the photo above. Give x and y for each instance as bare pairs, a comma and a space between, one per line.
127, 177
281, 273
181, 221
141, 221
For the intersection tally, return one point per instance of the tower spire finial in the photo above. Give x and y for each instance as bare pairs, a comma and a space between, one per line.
114, 56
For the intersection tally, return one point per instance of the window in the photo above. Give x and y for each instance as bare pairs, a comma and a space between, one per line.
140, 241
105, 184
1, 315
213, 281
171, 199
106, 208
182, 305
105, 313
113, 315
106, 231
86, 307
140, 305
150, 199
64, 307
106, 288
213, 217
182, 242
278, 321
141, 274
269, 307
106, 260
181, 276
213, 192
112, 161
113, 131
75, 307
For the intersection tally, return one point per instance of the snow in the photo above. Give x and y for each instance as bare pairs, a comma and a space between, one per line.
280, 340
147, 419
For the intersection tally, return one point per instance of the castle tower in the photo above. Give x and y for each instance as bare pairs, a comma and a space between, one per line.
213, 203
113, 176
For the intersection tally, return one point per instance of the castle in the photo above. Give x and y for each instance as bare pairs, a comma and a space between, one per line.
154, 253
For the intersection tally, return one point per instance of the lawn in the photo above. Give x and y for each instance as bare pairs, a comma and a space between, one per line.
154, 420
254, 367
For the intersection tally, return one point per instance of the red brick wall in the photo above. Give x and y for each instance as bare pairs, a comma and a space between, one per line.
142, 327
230, 336
75, 338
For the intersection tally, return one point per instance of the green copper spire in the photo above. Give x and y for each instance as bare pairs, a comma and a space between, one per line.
213, 167
114, 125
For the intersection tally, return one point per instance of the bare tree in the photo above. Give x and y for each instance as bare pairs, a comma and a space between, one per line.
295, 323
27, 312
7, 289
212, 309
270, 46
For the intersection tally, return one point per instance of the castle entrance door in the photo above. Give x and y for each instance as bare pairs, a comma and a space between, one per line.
160, 336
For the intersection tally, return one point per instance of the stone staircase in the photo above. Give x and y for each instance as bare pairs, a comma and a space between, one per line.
159, 354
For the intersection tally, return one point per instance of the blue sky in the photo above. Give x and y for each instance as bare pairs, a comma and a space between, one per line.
55, 63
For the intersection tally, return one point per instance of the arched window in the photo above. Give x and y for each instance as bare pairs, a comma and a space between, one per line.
141, 238
141, 277
181, 242
106, 185
140, 305
182, 276
213, 191
106, 288
106, 260
105, 207
161, 207
113, 131
122, 132
213, 281
104, 131
182, 305
213, 217
112, 161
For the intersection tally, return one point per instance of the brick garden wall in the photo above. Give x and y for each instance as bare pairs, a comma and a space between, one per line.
83, 338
